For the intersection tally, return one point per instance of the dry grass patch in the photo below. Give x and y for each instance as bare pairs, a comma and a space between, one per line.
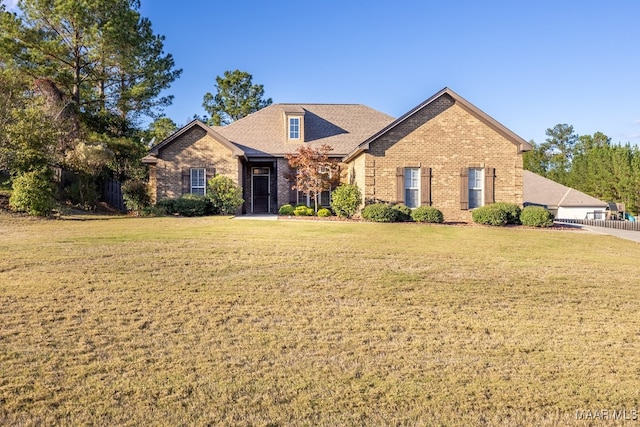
208, 321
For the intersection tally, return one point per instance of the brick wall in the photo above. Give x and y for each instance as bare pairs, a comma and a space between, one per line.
284, 186
445, 137
194, 149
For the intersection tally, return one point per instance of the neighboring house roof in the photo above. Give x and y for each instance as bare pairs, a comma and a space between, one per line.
539, 190
153, 152
342, 126
518, 141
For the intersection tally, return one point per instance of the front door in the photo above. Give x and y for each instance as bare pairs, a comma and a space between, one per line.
260, 189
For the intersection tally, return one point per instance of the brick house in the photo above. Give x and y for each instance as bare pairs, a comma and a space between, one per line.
445, 153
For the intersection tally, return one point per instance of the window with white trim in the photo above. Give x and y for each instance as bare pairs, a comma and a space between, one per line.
198, 181
294, 127
476, 187
324, 198
412, 187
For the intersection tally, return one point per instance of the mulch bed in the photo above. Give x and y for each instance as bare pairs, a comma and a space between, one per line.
559, 227
4, 202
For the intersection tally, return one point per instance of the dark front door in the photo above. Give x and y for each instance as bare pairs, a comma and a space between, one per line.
260, 193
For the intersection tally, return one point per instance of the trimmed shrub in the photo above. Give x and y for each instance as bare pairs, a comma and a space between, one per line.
135, 193
303, 210
379, 212
427, 214
165, 206
512, 210
286, 210
224, 195
155, 210
403, 213
490, 215
33, 194
324, 212
345, 200
536, 216
192, 205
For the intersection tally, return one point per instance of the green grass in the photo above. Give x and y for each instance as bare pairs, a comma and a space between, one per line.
210, 321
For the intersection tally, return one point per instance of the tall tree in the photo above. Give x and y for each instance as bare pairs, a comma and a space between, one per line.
160, 129
96, 67
559, 147
536, 160
101, 55
585, 164
28, 134
589, 163
236, 97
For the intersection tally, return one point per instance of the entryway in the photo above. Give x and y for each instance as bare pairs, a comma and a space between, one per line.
260, 190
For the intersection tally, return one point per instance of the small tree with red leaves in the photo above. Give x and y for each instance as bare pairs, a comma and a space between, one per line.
312, 171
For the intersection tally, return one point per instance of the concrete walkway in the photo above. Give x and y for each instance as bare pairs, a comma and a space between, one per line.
622, 234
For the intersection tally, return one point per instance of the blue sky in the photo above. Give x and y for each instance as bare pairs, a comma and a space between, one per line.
528, 64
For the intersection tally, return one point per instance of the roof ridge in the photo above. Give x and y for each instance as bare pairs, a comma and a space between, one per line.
565, 194
321, 103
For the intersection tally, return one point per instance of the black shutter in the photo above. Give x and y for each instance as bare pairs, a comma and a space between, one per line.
425, 186
489, 185
400, 185
186, 181
464, 189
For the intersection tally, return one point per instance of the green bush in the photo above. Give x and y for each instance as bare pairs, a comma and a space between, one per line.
427, 214
379, 212
193, 205
324, 212
32, 193
286, 210
135, 193
224, 195
345, 200
186, 205
403, 213
165, 206
490, 215
155, 210
303, 210
536, 216
512, 210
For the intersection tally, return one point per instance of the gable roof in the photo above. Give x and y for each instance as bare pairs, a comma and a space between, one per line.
153, 152
481, 115
342, 126
539, 190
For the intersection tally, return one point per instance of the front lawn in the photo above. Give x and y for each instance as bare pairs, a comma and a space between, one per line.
213, 321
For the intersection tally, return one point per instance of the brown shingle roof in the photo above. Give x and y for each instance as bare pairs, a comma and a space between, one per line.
539, 190
342, 126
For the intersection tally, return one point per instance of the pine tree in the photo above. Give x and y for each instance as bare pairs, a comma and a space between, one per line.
236, 97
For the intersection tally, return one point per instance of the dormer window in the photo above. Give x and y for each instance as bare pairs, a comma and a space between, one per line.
294, 127
293, 123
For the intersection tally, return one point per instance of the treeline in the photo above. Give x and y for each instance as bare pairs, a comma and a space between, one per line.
589, 163
76, 81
